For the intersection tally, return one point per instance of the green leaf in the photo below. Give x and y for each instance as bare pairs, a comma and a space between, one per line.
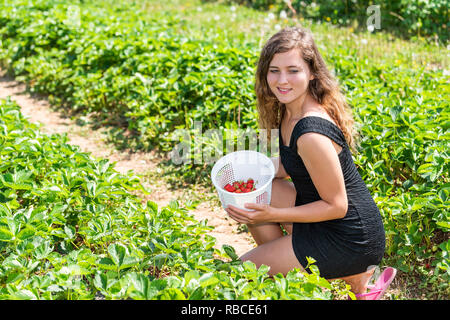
23, 294
208, 279
43, 250
425, 168
26, 233
197, 294
128, 262
106, 264
229, 250
445, 225
263, 269
4, 198
394, 112
172, 294
191, 274
249, 266
142, 287
70, 231
117, 253
153, 206
91, 188
15, 277
74, 270
310, 260
158, 285
101, 281
5, 235
4, 211
18, 180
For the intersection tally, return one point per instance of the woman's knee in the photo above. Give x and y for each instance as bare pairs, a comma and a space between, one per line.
265, 232
283, 196
283, 193
278, 255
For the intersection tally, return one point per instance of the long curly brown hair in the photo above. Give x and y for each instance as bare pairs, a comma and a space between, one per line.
323, 88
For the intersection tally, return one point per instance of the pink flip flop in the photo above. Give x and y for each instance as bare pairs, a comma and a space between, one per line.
383, 282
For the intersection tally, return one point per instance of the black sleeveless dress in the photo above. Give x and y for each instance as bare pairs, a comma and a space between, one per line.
341, 247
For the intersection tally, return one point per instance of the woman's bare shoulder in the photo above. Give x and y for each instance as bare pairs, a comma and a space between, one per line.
318, 113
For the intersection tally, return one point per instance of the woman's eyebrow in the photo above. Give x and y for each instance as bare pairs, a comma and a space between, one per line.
292, 66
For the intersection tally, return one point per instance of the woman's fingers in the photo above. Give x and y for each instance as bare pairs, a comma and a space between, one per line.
236, 209
237, 214
238, 219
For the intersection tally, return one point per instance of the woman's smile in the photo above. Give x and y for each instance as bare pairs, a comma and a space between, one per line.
283, 90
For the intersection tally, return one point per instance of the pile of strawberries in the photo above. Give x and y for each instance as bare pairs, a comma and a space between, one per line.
241, 186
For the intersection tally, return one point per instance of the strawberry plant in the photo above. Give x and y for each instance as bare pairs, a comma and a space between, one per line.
71, 228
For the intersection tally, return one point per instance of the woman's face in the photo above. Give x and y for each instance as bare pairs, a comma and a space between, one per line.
288, 76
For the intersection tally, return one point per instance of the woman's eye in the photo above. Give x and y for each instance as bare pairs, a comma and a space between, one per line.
292, 71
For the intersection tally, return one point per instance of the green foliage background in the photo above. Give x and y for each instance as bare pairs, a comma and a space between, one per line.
403, 18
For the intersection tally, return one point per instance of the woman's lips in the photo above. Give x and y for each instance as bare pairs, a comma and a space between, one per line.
283, 91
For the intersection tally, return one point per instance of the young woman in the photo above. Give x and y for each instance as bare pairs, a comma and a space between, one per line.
327, 210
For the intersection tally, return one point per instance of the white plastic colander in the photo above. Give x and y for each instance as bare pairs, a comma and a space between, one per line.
242, 165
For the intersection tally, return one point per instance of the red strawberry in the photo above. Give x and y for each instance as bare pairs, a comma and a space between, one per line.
229, 188
241, 186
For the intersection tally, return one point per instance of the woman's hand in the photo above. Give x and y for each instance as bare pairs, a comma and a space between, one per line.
261, 213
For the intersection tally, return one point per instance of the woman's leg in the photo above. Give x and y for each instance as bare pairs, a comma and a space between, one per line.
358, 282
283, 196
275, 250
278, 254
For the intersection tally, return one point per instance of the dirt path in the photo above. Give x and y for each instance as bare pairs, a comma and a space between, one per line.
38, 110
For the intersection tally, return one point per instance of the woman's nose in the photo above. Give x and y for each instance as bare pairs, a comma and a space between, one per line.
282, 79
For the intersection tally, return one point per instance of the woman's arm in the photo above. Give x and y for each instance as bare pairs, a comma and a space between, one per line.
323, 165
